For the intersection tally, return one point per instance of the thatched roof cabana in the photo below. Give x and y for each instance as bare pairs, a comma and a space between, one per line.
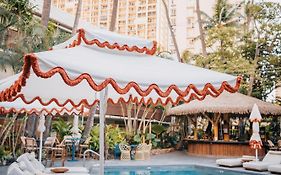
226, 103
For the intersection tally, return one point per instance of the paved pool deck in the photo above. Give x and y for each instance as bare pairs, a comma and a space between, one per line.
174, 158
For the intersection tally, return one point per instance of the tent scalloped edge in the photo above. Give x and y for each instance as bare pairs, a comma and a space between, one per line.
37, 112
81, 36
31, 61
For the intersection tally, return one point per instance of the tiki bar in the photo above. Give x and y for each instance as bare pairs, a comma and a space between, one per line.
220, 126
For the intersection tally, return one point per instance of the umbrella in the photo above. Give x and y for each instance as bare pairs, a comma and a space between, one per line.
255, 140
101, 67
75, 130
41, 128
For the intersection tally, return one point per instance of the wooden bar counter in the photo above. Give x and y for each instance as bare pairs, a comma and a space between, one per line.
220, 148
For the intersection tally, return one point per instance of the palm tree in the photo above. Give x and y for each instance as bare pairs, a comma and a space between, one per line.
171, 31
46, 12
224, 15
77, 17
89, 123
202, 37
113, 15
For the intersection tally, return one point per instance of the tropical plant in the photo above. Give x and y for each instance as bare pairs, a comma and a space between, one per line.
158, 129
114, 135
62, 128
15, 13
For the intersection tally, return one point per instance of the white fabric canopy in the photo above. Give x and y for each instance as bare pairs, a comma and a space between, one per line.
112, 70
128, 74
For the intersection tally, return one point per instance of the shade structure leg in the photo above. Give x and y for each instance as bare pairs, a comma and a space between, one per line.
256, 154
103, 106
40, 146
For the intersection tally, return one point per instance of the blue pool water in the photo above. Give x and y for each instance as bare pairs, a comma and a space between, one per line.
170, 170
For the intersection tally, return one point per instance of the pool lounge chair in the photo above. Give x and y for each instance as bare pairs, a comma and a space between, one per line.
234, 162
275, 168
271, 158
34, 166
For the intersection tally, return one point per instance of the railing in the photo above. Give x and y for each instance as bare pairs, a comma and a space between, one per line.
84, 155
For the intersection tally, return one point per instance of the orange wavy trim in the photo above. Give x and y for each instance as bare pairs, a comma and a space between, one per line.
255, 144
38, 112
82, 36
30, 61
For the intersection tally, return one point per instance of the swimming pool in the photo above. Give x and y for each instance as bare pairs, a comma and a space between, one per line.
171, 170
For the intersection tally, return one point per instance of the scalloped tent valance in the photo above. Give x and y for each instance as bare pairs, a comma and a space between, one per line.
75, 75
110, 40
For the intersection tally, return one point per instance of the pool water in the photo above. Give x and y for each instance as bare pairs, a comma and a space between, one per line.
170, 170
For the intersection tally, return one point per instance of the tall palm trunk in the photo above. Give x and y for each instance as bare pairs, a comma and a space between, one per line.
171, 31
46, 13
89, 123
113, 15
48, 124
202, 37
77, 17
30, 127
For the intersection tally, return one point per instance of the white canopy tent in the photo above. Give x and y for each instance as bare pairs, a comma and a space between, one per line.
92, 71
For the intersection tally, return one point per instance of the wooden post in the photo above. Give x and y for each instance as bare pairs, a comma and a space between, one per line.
215, 126
195, 128
216, 131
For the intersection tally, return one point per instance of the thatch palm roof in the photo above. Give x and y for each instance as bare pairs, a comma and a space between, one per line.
226, 103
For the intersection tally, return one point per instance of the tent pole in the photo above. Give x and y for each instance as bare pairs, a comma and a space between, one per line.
40, 147
256, 154
103, 106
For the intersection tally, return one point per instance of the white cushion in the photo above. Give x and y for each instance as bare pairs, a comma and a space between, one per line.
256, 165
275, 168
229, 162
29, 165
35, 162
273, 157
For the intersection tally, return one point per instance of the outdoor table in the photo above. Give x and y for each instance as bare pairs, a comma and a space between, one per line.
73, 140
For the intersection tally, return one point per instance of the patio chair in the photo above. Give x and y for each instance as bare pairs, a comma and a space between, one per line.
139, 154
271, 158
84, 146
48, 145
125, 152
234, 162
23, 144
279, 144
271, 145
58, 152
35, 167
30, 144
147, 151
